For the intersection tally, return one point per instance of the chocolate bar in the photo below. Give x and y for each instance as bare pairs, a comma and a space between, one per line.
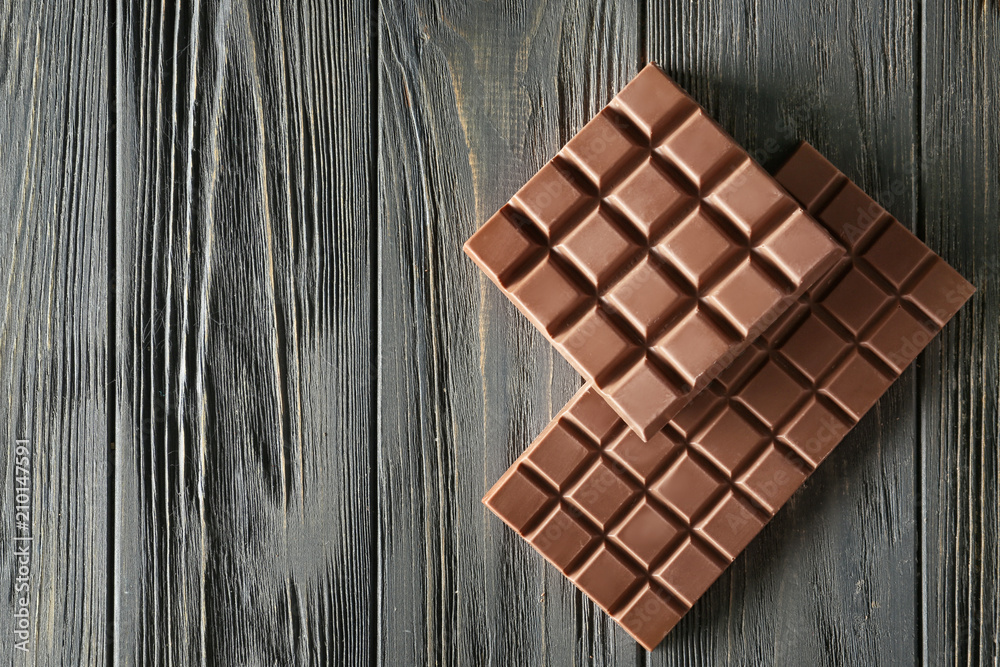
651, 250
643, 528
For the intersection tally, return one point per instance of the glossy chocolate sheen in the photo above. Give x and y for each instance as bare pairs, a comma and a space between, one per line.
651, 249
644, 528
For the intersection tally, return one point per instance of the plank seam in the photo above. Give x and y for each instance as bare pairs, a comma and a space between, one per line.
920, 229
642, 28
374, 287
111, 384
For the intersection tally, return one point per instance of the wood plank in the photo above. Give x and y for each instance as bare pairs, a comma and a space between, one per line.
960, 373
473, 99
54, 330
832, 580
244, 310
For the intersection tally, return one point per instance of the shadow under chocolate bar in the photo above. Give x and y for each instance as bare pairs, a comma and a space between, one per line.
643, 528
651, 250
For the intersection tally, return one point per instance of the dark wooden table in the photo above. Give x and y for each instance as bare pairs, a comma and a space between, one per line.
264, 392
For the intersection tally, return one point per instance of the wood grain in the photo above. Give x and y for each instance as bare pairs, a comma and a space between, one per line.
244, 327
54, 325
472, 100
959, 379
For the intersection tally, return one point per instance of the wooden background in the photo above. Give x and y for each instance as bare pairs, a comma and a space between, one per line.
266, 391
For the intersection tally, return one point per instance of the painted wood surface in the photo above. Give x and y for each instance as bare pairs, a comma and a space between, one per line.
55, 366
244, 410
266, 391
959, 201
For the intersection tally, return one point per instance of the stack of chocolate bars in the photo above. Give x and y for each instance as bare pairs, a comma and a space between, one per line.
730, 327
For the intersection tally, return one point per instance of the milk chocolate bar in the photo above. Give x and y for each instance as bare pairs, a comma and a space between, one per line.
644, 528
650, 250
